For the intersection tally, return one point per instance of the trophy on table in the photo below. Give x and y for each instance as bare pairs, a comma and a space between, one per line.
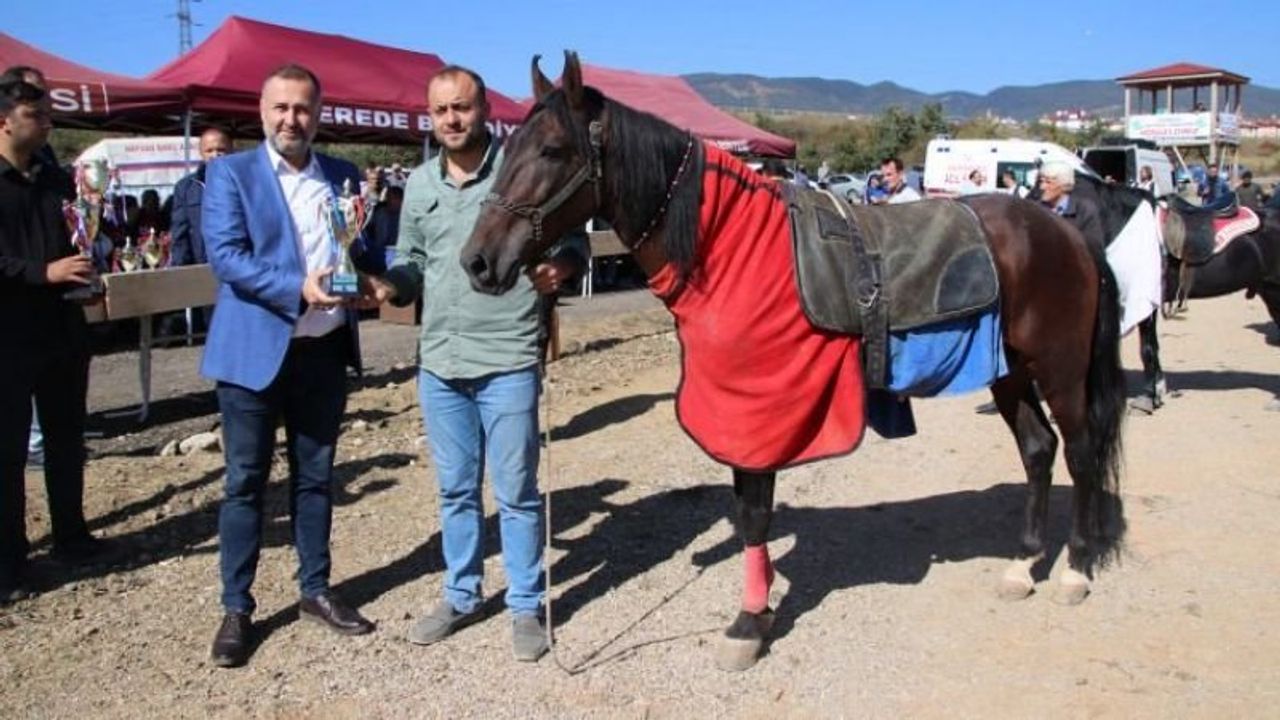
128, 258
347, 216
155, 249
84, 218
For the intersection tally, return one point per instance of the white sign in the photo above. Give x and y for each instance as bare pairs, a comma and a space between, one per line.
1229, 127
1169, 129
145, 162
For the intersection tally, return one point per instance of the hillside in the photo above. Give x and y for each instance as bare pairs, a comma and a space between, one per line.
751, 92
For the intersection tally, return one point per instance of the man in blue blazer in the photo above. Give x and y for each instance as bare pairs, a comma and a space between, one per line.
278, 348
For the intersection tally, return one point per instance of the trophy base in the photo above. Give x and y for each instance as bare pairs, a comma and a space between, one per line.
86, 292
344, 285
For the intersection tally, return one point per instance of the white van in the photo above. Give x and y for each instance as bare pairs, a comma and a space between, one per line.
1123, 163
950, 165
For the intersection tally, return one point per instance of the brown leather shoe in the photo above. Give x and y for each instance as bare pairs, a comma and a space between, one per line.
231, 643
326, 609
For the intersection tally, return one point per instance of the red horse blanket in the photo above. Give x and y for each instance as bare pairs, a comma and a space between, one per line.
761, 388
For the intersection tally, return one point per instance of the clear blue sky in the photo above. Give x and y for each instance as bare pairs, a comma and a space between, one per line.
928, 46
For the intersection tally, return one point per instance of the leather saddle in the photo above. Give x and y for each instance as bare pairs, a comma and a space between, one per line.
869, 270
1191, 231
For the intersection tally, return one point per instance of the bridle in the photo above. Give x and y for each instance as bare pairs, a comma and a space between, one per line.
592, 171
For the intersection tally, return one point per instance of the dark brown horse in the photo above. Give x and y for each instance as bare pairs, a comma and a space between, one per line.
580, 155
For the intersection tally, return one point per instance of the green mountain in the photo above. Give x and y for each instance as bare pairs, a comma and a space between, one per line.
1103, 97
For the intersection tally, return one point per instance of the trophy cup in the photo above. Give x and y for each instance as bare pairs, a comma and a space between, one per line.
84, 216
155, 249
128, 259
347, 217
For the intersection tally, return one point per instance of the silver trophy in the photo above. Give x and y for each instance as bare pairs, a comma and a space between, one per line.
347, 216
84, 219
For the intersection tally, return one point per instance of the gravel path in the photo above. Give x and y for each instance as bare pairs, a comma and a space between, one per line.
887, 562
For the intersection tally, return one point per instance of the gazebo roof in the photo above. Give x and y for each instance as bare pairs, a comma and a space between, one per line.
1183, 73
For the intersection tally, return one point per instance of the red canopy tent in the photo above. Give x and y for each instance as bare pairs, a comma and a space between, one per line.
371, 92
674, 100
87, 98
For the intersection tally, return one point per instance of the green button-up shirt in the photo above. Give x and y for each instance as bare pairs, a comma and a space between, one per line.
465, 334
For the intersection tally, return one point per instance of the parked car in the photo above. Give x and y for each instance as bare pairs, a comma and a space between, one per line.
847, 185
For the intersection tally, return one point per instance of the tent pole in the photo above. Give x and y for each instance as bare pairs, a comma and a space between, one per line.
186, 140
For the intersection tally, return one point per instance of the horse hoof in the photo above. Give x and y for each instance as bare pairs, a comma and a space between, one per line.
1143, 404
1017, 583
742, 642
1014, 589
1073, 588
1273, 406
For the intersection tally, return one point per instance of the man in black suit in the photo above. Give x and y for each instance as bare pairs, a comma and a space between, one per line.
185, 228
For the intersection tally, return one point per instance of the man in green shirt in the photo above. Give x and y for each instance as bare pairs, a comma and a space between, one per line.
478, 382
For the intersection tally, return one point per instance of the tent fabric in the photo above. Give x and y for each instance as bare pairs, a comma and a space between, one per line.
371, 92
89, 98
674, 100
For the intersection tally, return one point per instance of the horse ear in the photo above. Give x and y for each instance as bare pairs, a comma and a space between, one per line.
572, 79
541, 85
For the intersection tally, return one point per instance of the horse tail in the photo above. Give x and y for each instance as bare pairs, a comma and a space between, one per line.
1105, 408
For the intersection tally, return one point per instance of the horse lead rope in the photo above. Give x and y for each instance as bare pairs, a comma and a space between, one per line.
553, 648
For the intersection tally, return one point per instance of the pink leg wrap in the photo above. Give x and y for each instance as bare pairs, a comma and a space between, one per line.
758, 578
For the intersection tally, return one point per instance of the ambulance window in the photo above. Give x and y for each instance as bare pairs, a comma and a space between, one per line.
1022, 172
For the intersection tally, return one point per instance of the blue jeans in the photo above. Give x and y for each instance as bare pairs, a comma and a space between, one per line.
309, 393
471, 423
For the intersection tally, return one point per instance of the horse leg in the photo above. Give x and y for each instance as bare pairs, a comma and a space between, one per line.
753, 512
1271, 297
1019, 405
1152, 372
1088, 517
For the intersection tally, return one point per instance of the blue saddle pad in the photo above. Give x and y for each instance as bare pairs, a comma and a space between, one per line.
948, 358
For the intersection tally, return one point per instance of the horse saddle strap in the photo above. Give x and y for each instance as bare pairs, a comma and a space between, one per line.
838, 275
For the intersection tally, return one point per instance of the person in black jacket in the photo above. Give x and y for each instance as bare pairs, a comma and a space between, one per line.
44, 353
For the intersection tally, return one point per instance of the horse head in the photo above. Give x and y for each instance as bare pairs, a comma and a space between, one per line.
550, 181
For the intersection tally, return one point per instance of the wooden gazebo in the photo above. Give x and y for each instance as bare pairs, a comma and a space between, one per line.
1185, 106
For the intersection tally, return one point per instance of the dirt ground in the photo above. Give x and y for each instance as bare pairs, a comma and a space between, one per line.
888, 560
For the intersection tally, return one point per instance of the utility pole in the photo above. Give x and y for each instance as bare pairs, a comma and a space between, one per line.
184, 25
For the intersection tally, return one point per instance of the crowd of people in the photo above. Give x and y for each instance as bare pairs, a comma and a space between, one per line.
280, 344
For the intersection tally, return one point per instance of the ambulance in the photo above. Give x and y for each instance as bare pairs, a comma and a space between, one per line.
962, 167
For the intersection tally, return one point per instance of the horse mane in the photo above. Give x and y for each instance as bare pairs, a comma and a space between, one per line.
644, 153
1116, 203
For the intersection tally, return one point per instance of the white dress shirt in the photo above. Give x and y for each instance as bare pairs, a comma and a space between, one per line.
308, 195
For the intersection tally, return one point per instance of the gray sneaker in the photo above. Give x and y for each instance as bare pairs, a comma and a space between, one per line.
528, 638
439, 623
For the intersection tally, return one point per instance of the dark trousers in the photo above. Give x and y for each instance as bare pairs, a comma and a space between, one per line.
58, 379
309, 394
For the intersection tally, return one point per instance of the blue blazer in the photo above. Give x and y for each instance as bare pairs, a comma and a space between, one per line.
251, 243
184, 220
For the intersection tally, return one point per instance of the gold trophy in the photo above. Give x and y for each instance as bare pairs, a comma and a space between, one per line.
84, 218
347, 216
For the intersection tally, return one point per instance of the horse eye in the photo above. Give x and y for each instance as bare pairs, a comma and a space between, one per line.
552, 152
